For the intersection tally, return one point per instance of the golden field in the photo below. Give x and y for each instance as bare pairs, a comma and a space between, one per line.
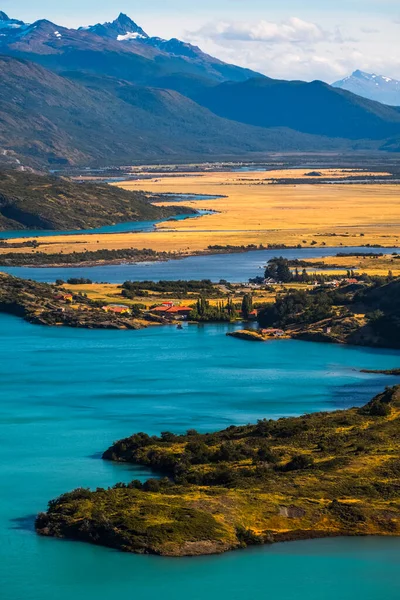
254, 211
110, 293
379, 265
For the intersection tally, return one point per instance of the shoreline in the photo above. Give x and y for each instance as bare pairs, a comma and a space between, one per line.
227, 490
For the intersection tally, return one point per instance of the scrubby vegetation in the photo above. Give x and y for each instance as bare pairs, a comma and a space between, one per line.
46, 304
367, 313
317, 475
104, 255
177, 289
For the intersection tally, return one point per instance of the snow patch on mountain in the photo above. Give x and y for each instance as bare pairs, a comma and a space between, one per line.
130, 35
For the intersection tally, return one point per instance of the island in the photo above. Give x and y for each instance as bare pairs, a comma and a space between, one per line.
318, 475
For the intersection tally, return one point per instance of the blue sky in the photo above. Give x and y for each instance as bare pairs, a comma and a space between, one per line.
308, 39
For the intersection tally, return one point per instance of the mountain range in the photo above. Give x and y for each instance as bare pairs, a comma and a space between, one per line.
372, 86
111, 94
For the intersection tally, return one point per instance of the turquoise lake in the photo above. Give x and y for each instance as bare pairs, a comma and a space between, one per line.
67, 394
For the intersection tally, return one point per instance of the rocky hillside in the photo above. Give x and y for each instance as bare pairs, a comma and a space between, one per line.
29, 201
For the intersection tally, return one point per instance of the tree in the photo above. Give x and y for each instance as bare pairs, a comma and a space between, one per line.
247, 305
202, 306
278, 269
230, 308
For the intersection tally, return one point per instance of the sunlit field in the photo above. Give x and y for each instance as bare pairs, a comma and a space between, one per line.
252, 210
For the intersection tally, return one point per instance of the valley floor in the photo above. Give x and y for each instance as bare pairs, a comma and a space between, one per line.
255, 208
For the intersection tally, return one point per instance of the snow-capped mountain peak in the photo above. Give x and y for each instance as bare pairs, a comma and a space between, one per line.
122, 29
370, 85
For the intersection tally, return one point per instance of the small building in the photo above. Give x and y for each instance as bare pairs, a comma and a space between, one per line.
179, 310
64, 297
118, 309
169, 309
273, 332
253, 314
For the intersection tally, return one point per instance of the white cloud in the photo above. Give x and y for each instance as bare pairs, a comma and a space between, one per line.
293, 30
369, 30
301, 49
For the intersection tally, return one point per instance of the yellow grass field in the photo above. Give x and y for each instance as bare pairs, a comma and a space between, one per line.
363, 264
110, 293
254, 211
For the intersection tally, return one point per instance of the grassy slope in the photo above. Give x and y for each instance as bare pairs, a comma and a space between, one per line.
40, 202
317, 475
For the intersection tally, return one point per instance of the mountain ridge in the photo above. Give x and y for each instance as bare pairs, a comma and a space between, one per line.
307, 107
48, 120
82, 97
372, 86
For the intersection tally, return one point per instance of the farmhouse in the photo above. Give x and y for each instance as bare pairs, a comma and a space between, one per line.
168, 308
64, 297
118, 309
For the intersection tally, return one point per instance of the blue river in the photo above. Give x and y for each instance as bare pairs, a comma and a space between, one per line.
67, 394
238, 267
126, 227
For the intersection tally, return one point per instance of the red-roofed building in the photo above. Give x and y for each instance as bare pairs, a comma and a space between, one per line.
179, 310
168, 308
118, 309
64, 297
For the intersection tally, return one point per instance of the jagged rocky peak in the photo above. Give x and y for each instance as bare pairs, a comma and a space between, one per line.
6, 21
122, 29
175, 46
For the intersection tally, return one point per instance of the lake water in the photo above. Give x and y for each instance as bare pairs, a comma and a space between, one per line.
127, 227
232, 267
67, 394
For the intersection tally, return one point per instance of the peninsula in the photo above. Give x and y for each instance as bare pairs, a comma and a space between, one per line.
45, 202
319, 475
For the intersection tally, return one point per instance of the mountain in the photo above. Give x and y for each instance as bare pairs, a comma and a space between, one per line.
118, 49
375, 87
48, 119
7, 24
122, 29
34, 201
109, 94
314, 108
